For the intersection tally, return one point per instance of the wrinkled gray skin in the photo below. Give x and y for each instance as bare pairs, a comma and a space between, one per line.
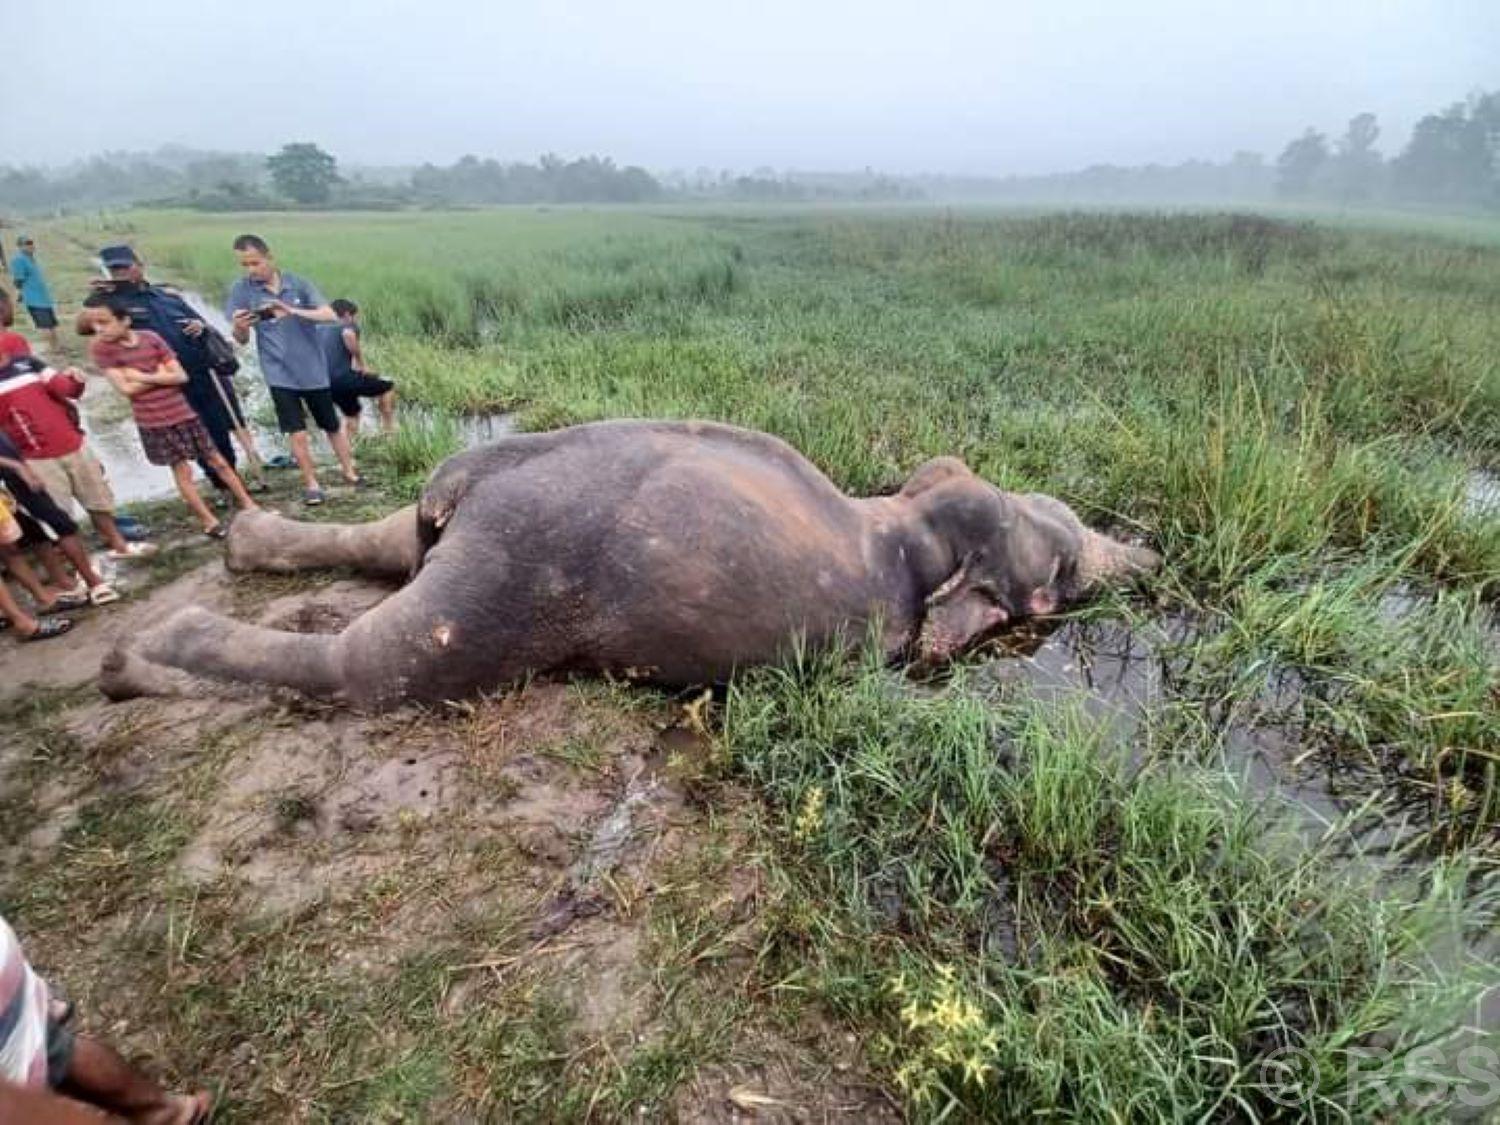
671, 551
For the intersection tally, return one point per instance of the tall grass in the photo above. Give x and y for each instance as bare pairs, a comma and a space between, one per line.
1018, 916
1036, 926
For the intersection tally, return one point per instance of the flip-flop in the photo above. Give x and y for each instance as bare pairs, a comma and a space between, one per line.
312, 497
218, 531
103, 594
46, 629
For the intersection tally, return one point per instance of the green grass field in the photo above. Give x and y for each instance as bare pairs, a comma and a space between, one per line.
1017, 908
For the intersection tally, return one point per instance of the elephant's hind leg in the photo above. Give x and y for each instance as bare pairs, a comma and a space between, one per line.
177, 655
410, 647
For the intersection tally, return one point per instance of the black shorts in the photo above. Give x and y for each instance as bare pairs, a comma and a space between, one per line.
42, 518
288, 404
42, 316
351, 388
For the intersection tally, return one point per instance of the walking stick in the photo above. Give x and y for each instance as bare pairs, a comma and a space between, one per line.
241, 430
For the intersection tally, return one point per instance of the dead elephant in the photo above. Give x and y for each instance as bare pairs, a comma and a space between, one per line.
671, 551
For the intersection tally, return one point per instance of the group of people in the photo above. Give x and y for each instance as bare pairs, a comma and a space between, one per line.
159, 354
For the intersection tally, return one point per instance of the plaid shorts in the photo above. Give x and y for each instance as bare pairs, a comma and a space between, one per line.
182, 441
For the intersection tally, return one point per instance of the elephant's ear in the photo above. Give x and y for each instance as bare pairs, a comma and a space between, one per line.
958, 614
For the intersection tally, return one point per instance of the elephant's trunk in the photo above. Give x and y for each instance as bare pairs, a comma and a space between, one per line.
1103, 560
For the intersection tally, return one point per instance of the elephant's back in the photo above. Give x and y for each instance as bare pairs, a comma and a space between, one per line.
672, 545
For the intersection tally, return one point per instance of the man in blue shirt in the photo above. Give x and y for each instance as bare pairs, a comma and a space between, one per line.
32, 284
284, 310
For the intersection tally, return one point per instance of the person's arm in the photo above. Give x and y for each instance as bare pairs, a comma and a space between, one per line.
318, 310
168, 374
356, 357
64, 384
320, 314
177, 309
124, 380
241, 319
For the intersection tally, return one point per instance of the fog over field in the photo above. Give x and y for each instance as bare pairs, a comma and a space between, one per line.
963, 86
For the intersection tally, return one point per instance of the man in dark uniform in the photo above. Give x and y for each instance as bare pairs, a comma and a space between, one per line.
163, 311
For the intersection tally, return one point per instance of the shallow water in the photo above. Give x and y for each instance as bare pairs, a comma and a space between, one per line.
1482, 494
1121, 676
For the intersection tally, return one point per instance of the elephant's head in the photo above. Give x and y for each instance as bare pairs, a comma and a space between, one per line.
1016, 556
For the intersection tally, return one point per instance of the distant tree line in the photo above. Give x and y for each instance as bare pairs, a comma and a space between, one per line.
1451, 159
1244, 178
304, 175
588, 179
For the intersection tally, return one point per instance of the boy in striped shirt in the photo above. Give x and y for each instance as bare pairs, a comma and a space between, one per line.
142, 368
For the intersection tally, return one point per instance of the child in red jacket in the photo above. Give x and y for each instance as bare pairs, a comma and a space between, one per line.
38, 414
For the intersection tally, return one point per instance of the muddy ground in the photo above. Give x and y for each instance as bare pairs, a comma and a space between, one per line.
554, 861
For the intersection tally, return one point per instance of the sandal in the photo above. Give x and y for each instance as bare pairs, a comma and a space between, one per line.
46, 629
218, 531
103, 594
312, 497
68, 599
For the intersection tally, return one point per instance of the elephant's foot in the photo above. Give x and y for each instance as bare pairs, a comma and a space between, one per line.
128, 675
252, 543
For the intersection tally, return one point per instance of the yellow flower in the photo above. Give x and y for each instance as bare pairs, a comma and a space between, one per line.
810, 817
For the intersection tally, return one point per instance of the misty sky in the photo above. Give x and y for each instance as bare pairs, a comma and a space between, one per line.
976, 86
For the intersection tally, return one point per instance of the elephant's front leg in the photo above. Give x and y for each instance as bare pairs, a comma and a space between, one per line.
385, 548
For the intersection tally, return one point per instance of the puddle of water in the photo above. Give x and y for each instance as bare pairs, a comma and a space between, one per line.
480, 429
1120, 676
1482, 494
